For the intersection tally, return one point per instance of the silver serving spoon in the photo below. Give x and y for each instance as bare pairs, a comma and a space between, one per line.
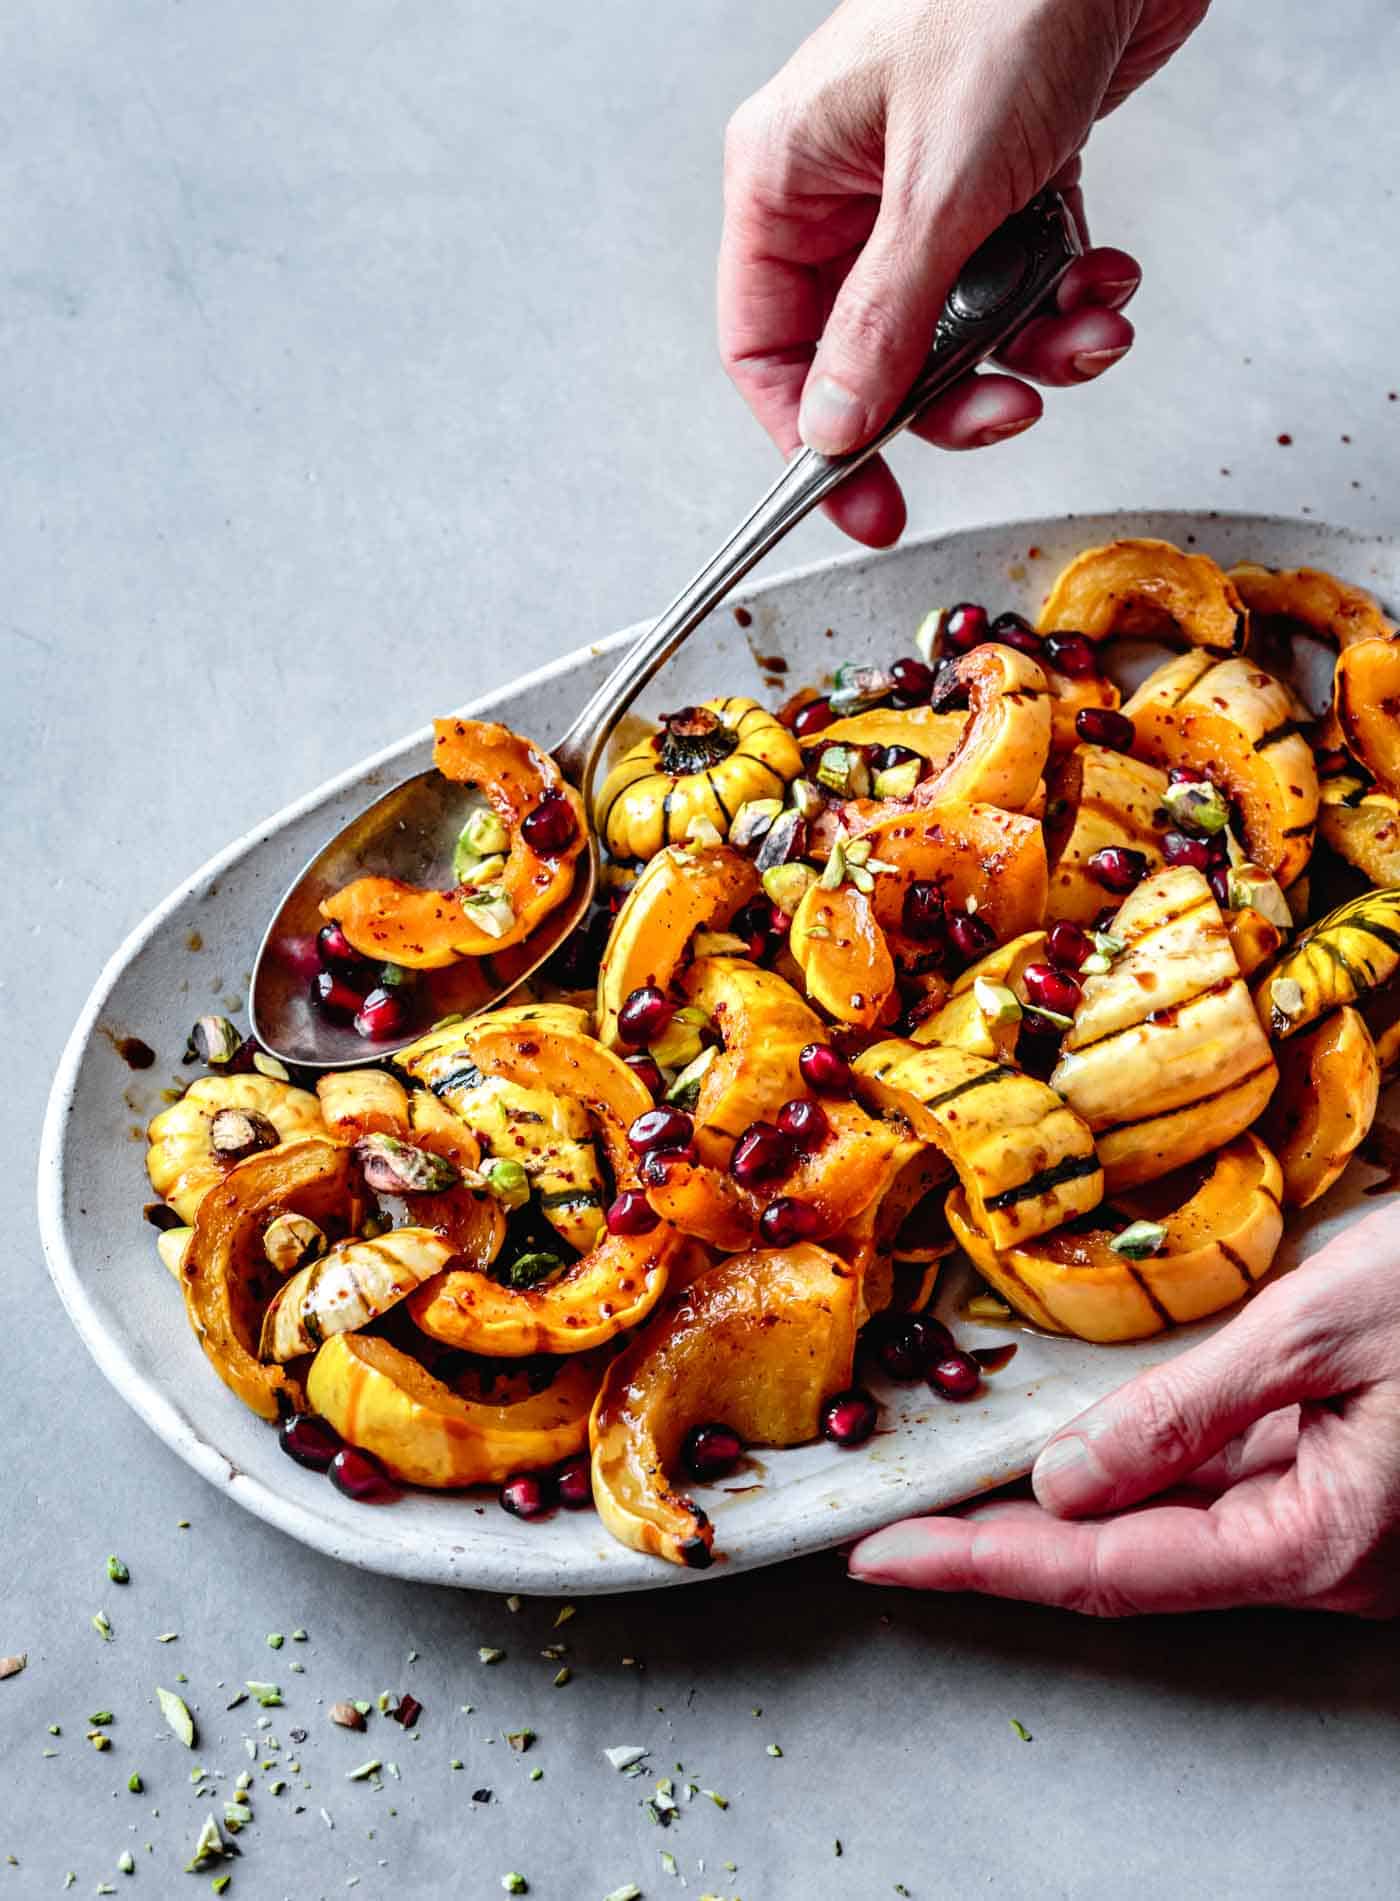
411, 832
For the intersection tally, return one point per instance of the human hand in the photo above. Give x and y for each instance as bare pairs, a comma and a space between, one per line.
1270, 1454
861, 179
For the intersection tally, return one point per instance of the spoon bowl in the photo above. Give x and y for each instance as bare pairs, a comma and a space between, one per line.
409, 834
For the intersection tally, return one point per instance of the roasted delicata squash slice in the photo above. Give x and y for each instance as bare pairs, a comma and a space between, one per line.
1219, 1228
1237, 724
1367, 706
547, 1132
763, 1026
1330, 610
227, 1278
1147, 588
351, 1284
1001, 753
427, 1433
758, 1341
1351, 952
1098, 799
977, 852
977, 1016
838, 1181
217, 1123
503, 902
1253, 938
1165, 1060
700, 766
1026, 1160
933, 736
356, 1102
1325, 1103
841, 951
682, 890
1362, 825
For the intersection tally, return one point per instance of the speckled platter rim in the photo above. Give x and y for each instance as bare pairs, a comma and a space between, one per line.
793, 1502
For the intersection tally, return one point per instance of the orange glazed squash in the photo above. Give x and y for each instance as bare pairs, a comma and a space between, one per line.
1332, 611
996, 858
1149, 588
1367, 707
1099, 798
425, 1433
1322, 1110
226, 1277
759, 1342
841, 950
1001, 752
425, 930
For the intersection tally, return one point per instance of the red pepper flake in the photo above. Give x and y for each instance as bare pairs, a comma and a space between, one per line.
1285, 441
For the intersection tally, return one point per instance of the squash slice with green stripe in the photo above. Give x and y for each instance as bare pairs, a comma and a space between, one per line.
1096, 799
352, 1284
1235, 722
1026, 1161
1362, 825
682, 890
1345, 956
1325, 1103
1222, 1226
1165, 1059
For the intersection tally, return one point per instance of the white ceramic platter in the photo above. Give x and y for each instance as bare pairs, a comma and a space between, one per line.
92, 1184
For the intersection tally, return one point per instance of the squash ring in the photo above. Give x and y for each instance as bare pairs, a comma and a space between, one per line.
1149, 588
1331, 610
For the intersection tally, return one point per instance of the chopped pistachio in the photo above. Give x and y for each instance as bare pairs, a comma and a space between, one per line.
685, 1090
167, 1636
720, 1801
1252, 888
135, 1784
997, 1002
291, 1241
669, 1865
267, 1694
209, 1846
1197, 805
220, 1883
862, 880
117, 1571
365, 1708
625, 1755
787, 885
299, 1636
399, 1168
857, 688
1021, 1730
515, 1884
172, 1245
99, 1739
213, 1040
928, 633
365, 1770
1139, 1239
773, 1750
808, 798
236, 1815
752, 822
703, 832
486, 832
1057, 1017
101, 1718
488, 1653
536, 1775
629, 1891
102, 1625
842, 770
491, 909
520, 1739
506, 1181
834, 871
176, 1713
683, 1038
987, 1307
276, 1788
1107, 944
1096, 965
270, 1066
275, 1640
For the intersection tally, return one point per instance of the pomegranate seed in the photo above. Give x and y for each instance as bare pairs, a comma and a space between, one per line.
574, 1483
1218, 878
755, 923
657, 1161
1106, 919
310, 1440
761, 1153
823, 1070
648, 1070
971, 934
786, 1221
811, 718
551, 827
1219, 848
805, 1123
1052, 989
631, 1213
849, 1418
1068, 944
965, 626
644, 1016
1071, 654
1105, 726
923, 915
1037, 1045
301, 955
1186, 775
881, 758
361, 1477
528, 1494
779, 923
906, 1345
661, 1128
1118, 867
1012, 630
336, 952
711, 1451
1178, 849
334, 998
956, 1376
912, 682
382, 1015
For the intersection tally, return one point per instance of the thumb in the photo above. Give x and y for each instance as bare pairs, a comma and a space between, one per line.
881, 325
1305, 1338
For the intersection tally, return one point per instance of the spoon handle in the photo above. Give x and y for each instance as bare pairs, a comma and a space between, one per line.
1000, 287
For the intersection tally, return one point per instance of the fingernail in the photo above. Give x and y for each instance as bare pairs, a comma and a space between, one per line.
1065, 1472
879, 1557
830, 418
999, 432
1094, 362
1113, 291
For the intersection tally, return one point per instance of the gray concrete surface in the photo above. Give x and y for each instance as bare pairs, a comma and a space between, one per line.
354, 356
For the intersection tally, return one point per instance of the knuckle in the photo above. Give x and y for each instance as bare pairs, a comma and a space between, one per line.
1099, 1595
1165, 1439
866, 325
